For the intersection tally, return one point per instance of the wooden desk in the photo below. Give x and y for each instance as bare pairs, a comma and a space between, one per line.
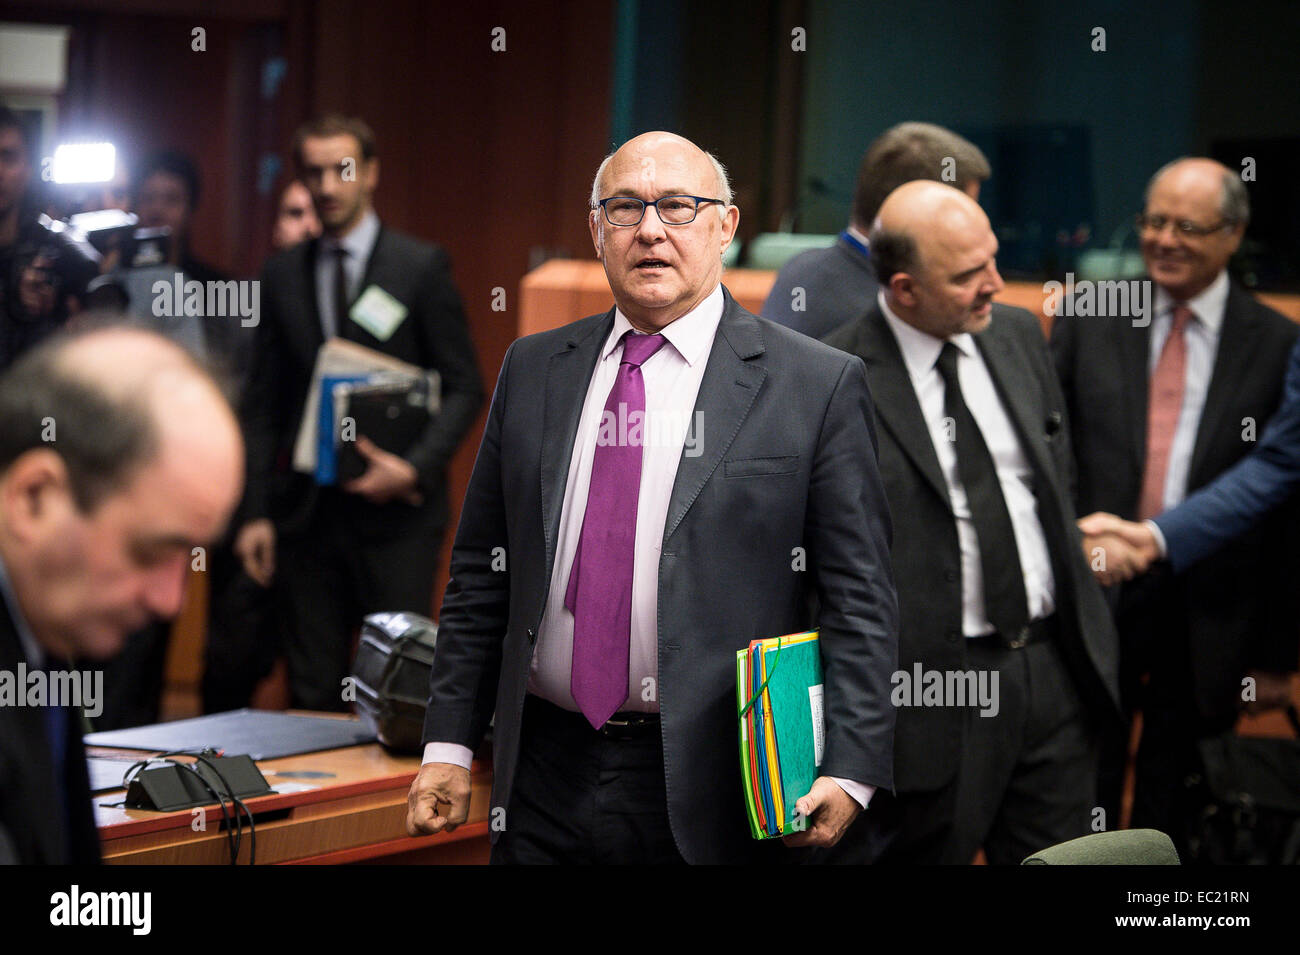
358, 814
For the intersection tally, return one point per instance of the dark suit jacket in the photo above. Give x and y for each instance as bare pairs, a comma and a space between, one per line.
31, 824
787, 462
1238, 604
927, 561
839, 285
433, 335
1240, 496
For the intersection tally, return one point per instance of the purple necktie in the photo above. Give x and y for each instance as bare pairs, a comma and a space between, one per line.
602, 603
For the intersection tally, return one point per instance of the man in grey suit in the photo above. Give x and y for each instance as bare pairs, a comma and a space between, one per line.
603, 582
819, 290
992, 585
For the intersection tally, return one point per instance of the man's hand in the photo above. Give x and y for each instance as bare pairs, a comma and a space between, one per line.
255, 548
1128, 547
1272, 692
828, 812
438, 784
387, 477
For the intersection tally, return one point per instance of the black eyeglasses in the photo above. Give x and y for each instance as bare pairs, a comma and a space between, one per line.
1185, 226
672, 210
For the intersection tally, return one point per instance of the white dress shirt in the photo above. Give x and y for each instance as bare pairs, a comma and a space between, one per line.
672, 378
1015, 476
358, 244
1202, 336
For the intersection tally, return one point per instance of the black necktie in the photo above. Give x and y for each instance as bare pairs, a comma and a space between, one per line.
1004, 584
340, 291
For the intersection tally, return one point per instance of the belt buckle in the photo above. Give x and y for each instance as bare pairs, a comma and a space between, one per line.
1019, 640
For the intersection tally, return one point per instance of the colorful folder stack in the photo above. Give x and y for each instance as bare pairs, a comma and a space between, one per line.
779, 704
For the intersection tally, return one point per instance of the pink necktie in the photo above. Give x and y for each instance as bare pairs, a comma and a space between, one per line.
600, 583
1164, 403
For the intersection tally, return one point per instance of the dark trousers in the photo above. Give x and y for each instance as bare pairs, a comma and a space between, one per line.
335, 572
1156, 679
582, 797
243, 640
1026, 778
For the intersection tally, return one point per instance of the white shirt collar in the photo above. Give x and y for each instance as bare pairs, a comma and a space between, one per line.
691, 334
360, 240
1208, 307
921, 349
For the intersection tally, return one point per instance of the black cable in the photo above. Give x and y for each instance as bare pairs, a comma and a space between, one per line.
235, 832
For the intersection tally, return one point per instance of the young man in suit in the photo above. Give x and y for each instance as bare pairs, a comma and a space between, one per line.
97, 530
838, 284
603, 582
990, 576
1160, 404
372, 543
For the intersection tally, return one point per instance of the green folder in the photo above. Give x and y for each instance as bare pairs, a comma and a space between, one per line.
794, 692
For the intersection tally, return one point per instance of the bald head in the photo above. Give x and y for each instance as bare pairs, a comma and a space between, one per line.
934, 252
1194, 219
120, 458
661, 265
110, 401
644, 148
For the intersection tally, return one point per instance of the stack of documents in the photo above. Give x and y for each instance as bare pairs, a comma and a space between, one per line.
779, 703
344, 370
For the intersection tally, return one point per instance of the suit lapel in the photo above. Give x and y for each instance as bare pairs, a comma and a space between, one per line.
895, 399
37, 760
1133, 345
568, 375
727, 392
1007, 367
312, 335
1231, 368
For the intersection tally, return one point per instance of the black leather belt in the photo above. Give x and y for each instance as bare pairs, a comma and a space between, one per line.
1044, 628
627, 724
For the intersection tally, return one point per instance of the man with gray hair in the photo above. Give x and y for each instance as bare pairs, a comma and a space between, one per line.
819, 290
1160, 405
118, 457
603, 579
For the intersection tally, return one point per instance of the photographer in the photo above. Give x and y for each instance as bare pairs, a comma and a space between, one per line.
43, 275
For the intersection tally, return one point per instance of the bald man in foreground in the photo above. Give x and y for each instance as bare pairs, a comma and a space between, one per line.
118, 456
1160, 405
665, 483
1007, 654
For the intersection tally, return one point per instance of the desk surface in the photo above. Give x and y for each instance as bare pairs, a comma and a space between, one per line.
356, 813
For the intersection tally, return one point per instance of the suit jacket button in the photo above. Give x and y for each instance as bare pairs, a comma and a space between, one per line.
950, 575
954, 636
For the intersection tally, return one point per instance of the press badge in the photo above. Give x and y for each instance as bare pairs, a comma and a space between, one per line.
378, 313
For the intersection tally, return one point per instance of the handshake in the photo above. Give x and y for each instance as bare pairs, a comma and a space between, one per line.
1117, 550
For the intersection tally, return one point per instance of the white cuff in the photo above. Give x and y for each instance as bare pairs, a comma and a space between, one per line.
861, 792
453, 753
1159, 536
